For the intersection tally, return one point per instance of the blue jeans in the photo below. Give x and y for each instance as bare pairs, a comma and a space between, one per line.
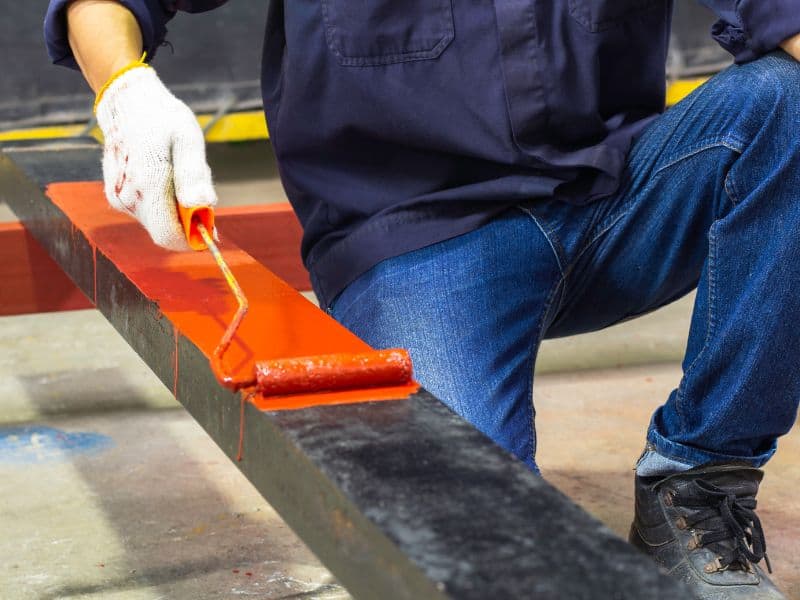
710, 199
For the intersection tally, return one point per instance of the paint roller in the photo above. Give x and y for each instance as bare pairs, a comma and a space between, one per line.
298, 375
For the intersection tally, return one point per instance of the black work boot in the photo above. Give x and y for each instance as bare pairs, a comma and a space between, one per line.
701, 527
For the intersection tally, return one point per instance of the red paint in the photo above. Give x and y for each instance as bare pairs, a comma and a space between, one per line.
249, 226
236, 571
192, 295
175, 366
122, 178
94, 275
30, 281
332, 372
249, 574
33, 283
294, 375
240, 448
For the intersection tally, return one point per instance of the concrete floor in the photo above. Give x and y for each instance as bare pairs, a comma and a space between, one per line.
115, 492
112, 490
591, 427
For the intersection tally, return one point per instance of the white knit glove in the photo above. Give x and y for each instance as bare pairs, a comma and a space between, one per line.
154, 155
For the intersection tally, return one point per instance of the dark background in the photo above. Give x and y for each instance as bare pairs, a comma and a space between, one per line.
215, 61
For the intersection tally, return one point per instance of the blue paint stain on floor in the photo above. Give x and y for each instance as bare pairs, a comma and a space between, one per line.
37, 444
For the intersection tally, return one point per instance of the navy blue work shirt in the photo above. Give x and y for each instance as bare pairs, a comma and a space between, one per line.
398, 124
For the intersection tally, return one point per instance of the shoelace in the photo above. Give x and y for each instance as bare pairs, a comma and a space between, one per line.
729, 524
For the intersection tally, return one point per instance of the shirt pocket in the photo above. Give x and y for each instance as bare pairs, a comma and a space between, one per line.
380, 32
599, 15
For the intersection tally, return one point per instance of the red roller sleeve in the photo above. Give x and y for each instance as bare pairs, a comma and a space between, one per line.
333, 372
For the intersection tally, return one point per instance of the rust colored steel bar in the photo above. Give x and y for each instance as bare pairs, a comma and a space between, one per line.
401, 499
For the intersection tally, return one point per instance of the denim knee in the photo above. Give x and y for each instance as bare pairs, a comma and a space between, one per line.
773, 79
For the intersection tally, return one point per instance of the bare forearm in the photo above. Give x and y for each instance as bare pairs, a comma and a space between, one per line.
792, 46
104, 37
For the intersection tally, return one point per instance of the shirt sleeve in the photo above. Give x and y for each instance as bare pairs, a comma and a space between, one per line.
751, 28
152, 16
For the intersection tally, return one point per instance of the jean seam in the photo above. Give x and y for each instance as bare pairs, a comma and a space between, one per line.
547, 235
730, 189
679, 452
606, 227
727, 141
711, 323
668, 453
535, 342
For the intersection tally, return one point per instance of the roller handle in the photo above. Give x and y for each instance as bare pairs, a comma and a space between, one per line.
190, 216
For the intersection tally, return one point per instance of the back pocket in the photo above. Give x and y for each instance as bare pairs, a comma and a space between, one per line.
599, 15
381, 32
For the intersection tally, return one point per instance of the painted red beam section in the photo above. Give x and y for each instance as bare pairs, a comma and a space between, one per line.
191, 294
269, 233
30, 281
33, 283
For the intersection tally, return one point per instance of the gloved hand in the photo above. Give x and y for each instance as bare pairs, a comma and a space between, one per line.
154, 154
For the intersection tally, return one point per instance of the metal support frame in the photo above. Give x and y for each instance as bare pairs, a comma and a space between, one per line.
398, 498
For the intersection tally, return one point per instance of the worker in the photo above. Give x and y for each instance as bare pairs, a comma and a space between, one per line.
473, 177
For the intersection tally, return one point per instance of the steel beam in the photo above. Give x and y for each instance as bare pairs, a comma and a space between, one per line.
399, 498
33, 283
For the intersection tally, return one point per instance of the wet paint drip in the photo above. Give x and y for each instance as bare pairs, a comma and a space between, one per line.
240, 449
244, 400
94, 274
175, 366
38, 444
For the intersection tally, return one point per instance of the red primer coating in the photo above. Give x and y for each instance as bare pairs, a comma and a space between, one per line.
94, 275
217, 360
175, 357
333, 372
33, 283
240, 447
192, 295
295, 375
269, 233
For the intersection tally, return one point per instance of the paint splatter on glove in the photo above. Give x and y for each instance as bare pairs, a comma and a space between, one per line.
154, 154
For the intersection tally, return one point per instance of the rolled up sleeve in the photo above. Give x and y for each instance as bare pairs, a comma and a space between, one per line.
152, 16
751, 28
